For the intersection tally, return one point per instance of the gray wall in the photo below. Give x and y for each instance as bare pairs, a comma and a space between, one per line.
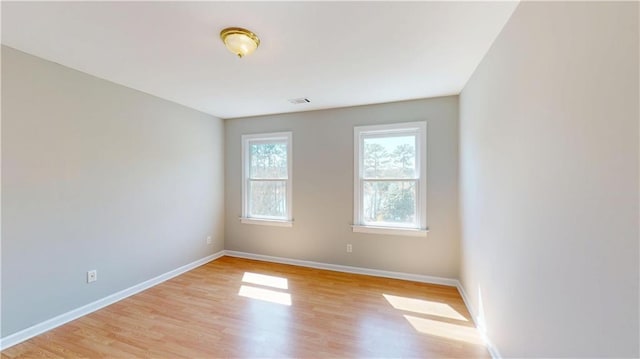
98, 176
549, 182
323, 190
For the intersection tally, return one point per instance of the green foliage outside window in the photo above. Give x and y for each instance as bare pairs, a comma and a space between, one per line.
389, 179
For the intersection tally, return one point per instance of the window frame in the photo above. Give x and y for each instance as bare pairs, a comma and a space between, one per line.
360, 133
247, 140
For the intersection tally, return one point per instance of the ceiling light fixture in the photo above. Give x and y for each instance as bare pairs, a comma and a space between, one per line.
241, 42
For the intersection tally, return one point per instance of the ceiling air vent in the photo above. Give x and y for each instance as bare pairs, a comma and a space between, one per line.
297, 101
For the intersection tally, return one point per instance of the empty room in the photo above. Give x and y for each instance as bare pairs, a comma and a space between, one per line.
425, 179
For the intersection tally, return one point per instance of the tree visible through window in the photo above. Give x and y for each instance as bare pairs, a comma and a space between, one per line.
390, 175
267, 188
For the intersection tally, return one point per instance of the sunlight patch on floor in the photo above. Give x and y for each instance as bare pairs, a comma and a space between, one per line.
266, 280
424, 307
445, 330
267, 295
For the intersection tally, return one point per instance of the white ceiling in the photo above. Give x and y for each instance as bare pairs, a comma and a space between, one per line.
335, 53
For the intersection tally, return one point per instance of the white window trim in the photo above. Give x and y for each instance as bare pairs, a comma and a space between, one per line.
421, 192
279, 136
391, 230
266, 222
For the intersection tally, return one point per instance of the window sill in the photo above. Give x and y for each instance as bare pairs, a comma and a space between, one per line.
391, 230
266, 222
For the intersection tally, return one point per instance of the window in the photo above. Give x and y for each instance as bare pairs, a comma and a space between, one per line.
266, 173
390, 189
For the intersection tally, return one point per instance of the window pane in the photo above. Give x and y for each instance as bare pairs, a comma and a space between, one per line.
268, 160
268, 199
390, 157
392, 202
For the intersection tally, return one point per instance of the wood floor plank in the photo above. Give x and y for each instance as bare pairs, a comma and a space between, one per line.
277, 311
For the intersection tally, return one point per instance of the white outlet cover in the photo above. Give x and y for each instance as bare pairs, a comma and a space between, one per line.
92, 276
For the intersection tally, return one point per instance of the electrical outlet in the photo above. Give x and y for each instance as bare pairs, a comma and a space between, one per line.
209, 240
349, 248
92, 276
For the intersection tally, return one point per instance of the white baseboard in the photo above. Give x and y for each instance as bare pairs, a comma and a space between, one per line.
25, 334
42, 327
347, 269
495, 354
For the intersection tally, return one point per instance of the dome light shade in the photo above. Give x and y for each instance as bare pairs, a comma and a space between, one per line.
241, 42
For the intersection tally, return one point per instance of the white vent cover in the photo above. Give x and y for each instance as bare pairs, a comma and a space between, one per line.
300, 100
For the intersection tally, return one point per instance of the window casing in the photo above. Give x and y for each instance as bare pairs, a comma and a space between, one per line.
266, 174
390, 189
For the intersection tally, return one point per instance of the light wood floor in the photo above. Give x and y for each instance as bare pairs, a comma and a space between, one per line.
243, 308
